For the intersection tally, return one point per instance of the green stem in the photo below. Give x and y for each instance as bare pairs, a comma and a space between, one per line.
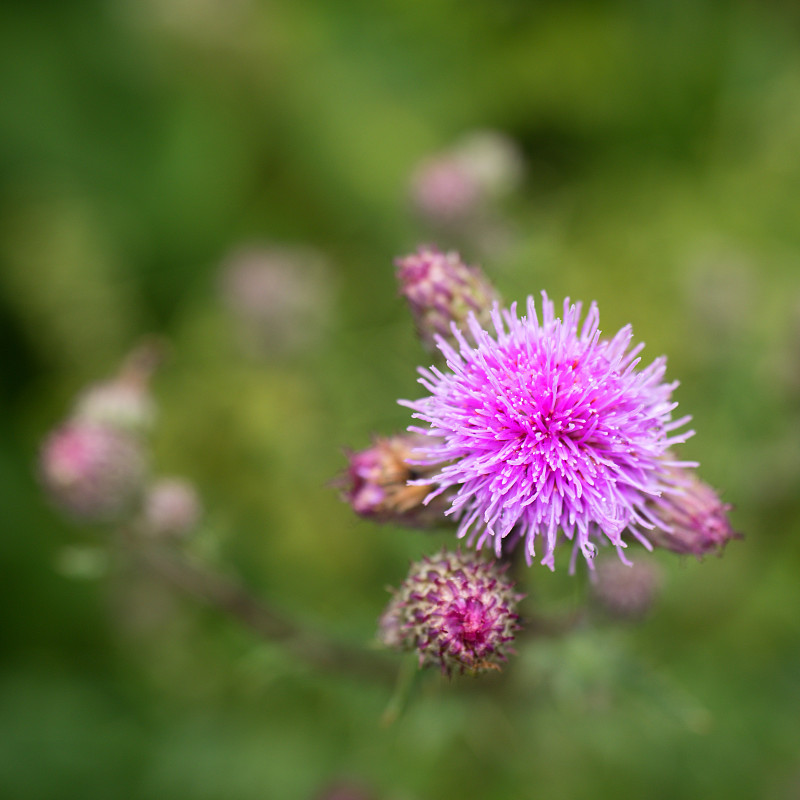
406, 679
236, 601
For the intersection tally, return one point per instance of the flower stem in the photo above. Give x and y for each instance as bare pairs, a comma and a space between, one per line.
233, 599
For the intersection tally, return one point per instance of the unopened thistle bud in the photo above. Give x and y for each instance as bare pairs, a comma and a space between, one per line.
441, 289
171, 508
457, 611
376, 484
625, 591
692, 519
116, 404
124, 402
93, 472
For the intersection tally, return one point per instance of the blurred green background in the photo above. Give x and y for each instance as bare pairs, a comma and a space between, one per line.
142, 140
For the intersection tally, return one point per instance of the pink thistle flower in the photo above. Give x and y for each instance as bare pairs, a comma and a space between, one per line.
441, 289
542, 427
93, 472
691, 518
457, 611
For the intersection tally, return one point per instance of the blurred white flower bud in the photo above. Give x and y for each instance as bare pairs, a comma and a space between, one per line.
493, 160
171, 507
117, 404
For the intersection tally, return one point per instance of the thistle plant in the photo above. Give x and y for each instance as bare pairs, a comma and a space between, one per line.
535, 435
96, 467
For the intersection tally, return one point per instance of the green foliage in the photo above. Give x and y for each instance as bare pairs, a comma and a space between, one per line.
142, 141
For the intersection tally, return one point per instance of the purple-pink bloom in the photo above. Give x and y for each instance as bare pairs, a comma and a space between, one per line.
543, 427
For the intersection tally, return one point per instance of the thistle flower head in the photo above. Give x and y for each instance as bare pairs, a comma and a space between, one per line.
691, 518
93, 472
377, 484
457, 611
441, 290
541, 427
